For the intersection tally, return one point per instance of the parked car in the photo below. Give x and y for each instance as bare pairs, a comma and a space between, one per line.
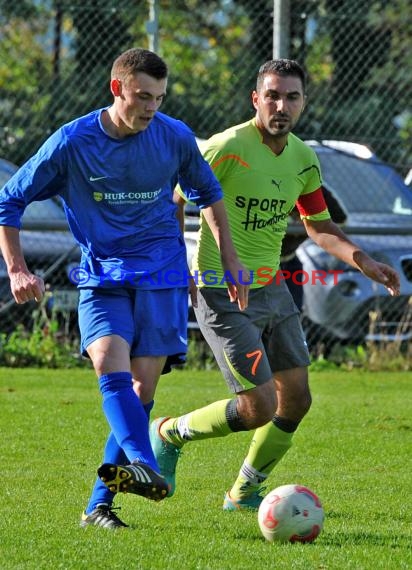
50, 252
372, 204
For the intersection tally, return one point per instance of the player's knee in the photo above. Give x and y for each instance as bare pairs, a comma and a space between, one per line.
302, 400
298, 405
257, 406
306, 402
99, 364
295, 398
102, 365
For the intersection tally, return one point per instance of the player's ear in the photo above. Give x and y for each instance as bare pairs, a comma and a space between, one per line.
116, 87
305, 98
255, 97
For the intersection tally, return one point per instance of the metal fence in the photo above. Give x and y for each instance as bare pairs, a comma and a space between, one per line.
55, 59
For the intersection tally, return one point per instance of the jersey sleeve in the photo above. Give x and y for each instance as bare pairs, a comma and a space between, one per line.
312, 206
222, 156
311, 203
196, 181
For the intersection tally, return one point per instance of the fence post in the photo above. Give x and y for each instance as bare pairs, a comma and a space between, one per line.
152, 25
281, 28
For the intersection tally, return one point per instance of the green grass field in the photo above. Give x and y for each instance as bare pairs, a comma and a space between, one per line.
353, 450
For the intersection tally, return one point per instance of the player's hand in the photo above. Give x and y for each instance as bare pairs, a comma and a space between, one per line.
26, 287
382, 273
237, 279
193, 292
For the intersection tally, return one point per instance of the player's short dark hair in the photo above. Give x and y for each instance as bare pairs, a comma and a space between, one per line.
282, 67
136, 60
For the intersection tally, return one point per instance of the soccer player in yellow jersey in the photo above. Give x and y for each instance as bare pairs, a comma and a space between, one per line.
264, 170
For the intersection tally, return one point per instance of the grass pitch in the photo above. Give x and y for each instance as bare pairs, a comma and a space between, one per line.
353, 450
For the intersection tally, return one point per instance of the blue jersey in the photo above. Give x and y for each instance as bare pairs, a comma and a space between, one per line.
117, 194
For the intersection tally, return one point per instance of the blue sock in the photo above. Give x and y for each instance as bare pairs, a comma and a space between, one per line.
101, 494
113, 453
126, 417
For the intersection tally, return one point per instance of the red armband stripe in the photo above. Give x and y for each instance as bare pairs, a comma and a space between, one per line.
229, 157
311, 204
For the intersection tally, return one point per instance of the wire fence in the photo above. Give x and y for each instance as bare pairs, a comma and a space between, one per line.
55, 60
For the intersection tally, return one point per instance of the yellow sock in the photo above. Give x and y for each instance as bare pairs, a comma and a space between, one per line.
268, 446
203, 423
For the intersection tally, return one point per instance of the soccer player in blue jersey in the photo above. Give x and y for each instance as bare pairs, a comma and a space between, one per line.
115, 170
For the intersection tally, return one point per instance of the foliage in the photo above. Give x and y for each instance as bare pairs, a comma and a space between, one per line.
55, 58
47, 344
372, 356
395, 71
25, 69
199, 354
93, 46
42, 346
320, 364
367, 74
207, 46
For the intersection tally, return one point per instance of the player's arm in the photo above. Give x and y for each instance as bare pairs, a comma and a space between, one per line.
180, 212
333, 240
216, 218
180, 215
25, 286
327, 235
218, 155
203, 184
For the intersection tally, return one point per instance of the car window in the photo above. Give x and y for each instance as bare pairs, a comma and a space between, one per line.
4, 176
44, 209
7, 169
364, 186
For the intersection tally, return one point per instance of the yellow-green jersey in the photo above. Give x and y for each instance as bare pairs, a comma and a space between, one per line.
260, 190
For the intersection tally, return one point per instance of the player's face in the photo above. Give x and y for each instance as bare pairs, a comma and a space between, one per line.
138, 99
279, 104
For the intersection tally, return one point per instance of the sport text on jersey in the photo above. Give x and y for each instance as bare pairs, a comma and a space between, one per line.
253, 205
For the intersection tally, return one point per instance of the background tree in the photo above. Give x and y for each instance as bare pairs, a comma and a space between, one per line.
391, 77
24, 66
207, 45
358, 87
55, 58
93, 34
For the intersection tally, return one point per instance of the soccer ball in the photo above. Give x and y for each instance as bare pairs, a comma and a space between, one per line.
291, 513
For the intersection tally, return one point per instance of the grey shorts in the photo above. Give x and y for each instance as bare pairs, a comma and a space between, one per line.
249, 346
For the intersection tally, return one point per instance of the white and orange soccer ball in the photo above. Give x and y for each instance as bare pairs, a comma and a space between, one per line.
291, 513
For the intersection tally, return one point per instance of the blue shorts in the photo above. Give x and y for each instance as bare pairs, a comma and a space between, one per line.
153, 323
